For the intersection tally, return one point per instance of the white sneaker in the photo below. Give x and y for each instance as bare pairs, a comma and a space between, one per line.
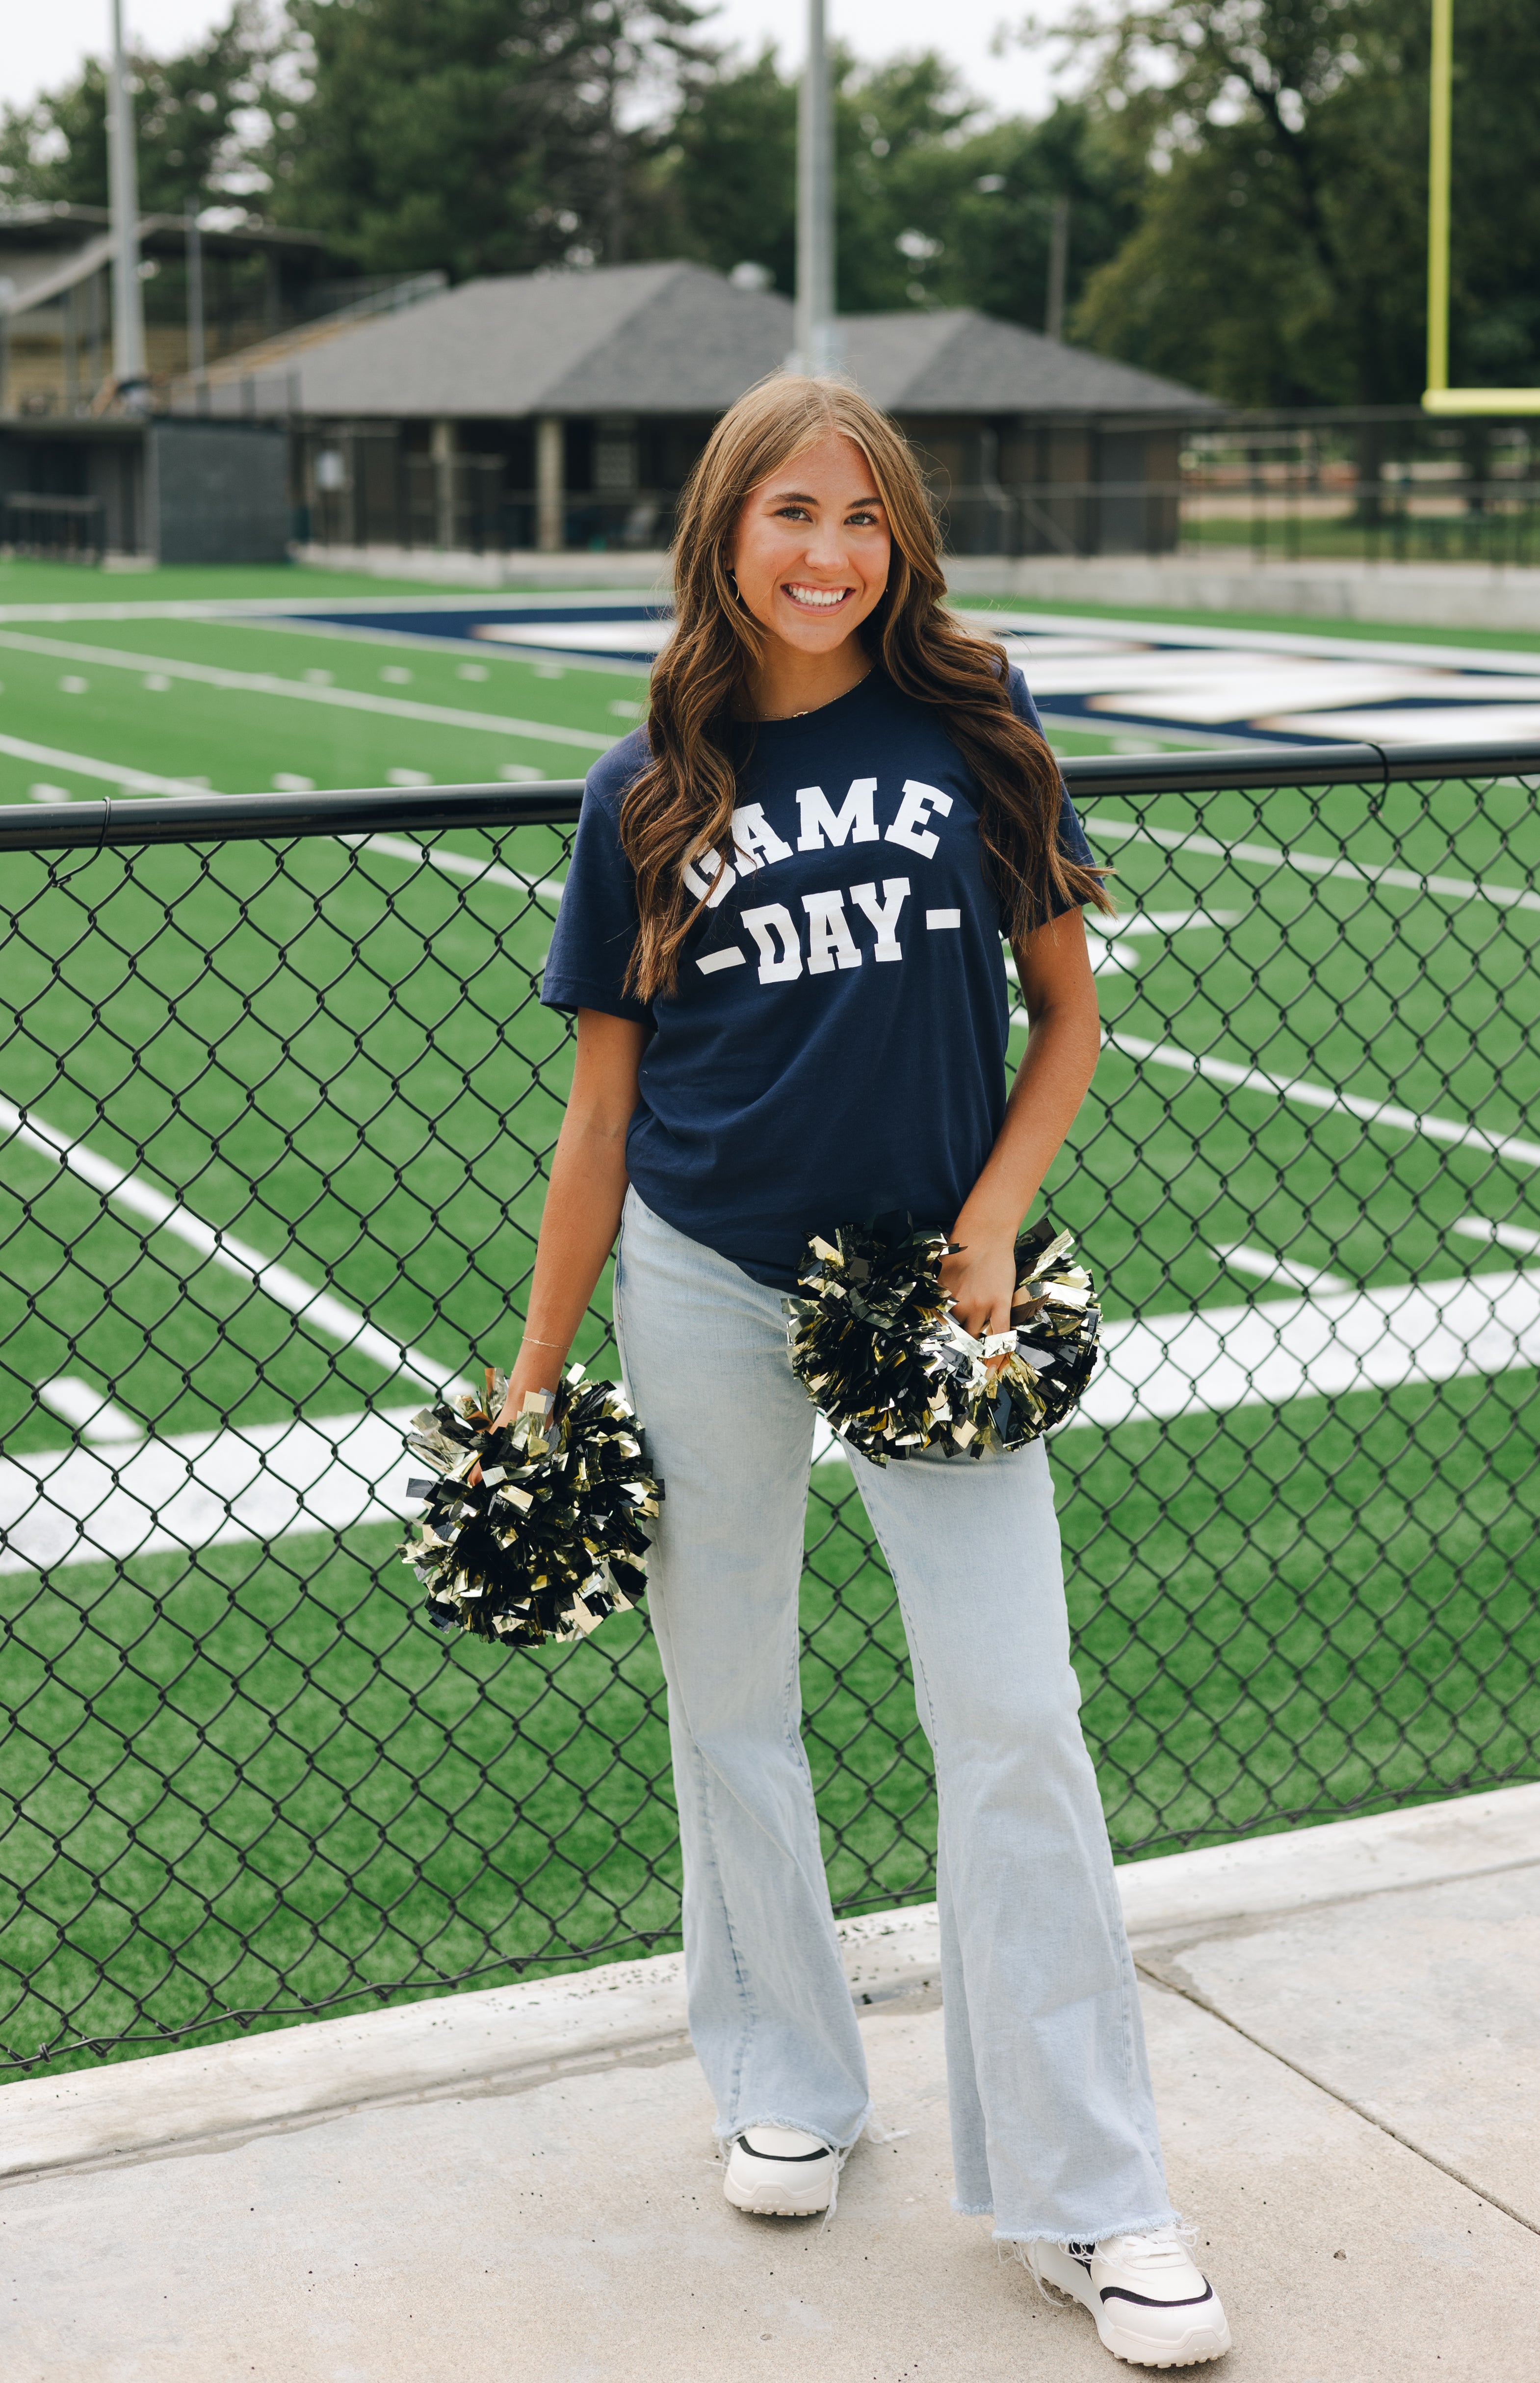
780, 2172
1151, 2305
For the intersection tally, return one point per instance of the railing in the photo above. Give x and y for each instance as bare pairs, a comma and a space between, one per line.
394, 499
1283, 517
382, 496
61, 528
278, 1096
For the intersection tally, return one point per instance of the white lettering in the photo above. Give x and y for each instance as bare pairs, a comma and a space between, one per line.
830, 941
767, 926
909, 827
731, 957
854, 818
883, 915
702, 887
755, 840
944, 918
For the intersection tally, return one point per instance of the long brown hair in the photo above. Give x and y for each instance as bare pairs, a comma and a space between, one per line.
679, 809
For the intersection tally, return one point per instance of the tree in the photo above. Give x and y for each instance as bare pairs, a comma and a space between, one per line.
189, 116
1281, 253
932, 208
477, 136
989, 203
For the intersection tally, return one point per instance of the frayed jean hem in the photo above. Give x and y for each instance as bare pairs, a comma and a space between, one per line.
1019, 2242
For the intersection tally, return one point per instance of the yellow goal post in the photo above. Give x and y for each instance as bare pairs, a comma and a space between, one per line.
1439, 397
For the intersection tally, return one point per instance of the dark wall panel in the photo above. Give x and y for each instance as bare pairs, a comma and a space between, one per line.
219, 491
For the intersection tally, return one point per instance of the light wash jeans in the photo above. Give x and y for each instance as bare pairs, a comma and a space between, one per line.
1053, 2124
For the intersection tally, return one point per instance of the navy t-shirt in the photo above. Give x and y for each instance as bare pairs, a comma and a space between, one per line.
836, 1046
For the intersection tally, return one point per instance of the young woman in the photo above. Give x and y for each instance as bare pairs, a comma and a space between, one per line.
781, 935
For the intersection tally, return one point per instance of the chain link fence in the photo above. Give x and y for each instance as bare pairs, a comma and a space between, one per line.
278, 1099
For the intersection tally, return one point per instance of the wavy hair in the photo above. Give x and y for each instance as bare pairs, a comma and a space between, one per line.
678, 811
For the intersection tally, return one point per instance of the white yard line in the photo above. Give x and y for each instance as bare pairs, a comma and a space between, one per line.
317, 1308
1521, 1238
421, 641
1245, 1259
134, 782
1314, 864
1319, 1096
421, 599
1213, 1359
457, 864
202, 1489
394, 706
261, 1482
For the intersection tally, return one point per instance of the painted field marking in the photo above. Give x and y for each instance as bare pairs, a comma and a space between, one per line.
1319, 1096
457, 864
1271, 1268
89, 1410
202, 1489
263, 1481
278, 1282
1313, 864
138, 782
393, 707
1507, 1237
1213, 1359
1166, 922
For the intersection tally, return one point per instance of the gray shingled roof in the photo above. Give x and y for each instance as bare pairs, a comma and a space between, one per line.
962, 362
678, 339
633, 339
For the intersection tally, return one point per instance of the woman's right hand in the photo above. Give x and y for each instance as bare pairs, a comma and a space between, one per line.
535, 1368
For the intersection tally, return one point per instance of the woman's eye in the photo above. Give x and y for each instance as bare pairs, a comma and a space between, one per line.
793, 512
861, 521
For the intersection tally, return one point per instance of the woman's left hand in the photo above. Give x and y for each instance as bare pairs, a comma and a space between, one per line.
980, 1277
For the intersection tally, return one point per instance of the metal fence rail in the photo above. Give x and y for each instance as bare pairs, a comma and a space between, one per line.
277, 1097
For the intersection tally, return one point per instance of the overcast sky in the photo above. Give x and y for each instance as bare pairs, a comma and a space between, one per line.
42, 47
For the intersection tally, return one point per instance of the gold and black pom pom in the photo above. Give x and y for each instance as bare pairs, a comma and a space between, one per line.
875, 1344
549, 1540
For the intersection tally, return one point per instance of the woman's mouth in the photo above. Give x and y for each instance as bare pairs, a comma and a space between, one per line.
814, 599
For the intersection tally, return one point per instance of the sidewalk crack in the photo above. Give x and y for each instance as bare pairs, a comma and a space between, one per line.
1176, 1982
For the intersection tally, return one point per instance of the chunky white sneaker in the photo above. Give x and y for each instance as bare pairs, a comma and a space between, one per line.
1151, 2304
780, 2172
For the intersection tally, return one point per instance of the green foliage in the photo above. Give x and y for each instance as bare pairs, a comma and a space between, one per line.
477, 136
1247, 178
933, 209
186, 112
1281, 253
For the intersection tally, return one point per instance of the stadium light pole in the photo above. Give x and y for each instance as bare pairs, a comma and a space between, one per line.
817, 344
128, 297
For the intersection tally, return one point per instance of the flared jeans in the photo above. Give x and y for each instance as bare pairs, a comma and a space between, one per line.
1053, 2122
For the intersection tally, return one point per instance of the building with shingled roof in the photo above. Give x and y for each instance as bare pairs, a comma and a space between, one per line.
564, 410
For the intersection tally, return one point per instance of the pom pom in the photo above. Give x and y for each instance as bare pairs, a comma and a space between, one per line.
875, 1344
549, 1540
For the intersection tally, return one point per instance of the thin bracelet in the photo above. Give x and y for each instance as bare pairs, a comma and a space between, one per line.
531, 1341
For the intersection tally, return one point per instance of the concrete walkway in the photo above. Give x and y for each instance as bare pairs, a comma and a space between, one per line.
521, 2184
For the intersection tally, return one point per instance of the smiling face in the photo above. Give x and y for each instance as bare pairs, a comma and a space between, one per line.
812, 548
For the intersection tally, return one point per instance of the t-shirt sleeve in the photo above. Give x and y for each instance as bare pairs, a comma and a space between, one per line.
1073, 844
596, 926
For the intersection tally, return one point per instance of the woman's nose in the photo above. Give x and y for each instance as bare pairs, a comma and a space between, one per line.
825, 548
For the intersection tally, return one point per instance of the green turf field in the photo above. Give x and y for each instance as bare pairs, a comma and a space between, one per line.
250, 1776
